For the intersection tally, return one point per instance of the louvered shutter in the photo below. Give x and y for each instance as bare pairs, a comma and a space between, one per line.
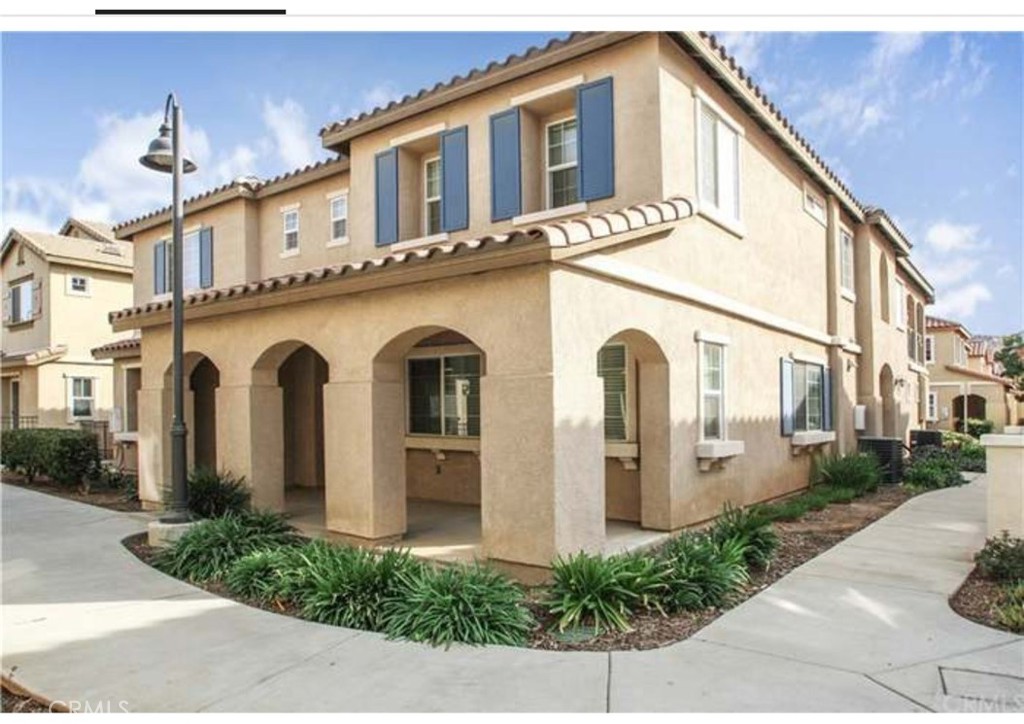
386, 202
455, 179
595, 115
611, 368
506, 165
786, 396
37, 298
206, 257
160, 268
826, 399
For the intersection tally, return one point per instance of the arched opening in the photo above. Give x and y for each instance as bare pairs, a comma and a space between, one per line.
429, 381
291, 376
883, 287
634, 374
202, 378
886, 388
968, 407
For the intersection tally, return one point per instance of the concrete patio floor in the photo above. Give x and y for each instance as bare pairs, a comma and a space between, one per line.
864, 627
446, 532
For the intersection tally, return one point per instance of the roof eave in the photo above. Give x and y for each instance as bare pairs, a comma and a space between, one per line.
131, 228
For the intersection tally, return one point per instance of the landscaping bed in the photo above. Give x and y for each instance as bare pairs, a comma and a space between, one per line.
103, 497
993, 595
15, 703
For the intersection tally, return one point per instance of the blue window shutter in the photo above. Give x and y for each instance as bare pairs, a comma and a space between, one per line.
160, 267
206, 257
786, 396
386, 179
826, 399
455, 179
595, 118
506, 165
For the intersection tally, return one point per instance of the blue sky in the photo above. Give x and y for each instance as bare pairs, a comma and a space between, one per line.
927, 125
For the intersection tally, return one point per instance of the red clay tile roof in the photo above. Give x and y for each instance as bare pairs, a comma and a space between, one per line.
121, 345
556, 234
931, 322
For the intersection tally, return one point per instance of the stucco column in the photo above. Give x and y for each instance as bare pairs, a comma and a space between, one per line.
364, 458
656, 433
250, 440
542, 466
1004, 463
154, 445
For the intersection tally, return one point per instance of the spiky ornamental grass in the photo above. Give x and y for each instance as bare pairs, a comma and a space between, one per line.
752, 528
858, 471
214, 495
208, 550
458, 604
265, 576
704, 573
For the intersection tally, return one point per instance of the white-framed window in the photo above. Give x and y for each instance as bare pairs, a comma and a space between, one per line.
712, 391
290, 220
21, 301
432, 196
443, 395
718, 162
933, 406
959, 352
81, 397
814, 204
899, 294
846, 278
339, 217
561, 161
78, 285
190, 264
612, 369
808, 397
929, 348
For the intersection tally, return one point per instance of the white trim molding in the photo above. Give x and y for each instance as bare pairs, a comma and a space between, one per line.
290, 207
331, 195
416, 135
711, 338
713, 453
421, 241
548, 90
707, 100
580, 207
809, 358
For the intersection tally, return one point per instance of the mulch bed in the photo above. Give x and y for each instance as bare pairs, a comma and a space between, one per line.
13, 703
799, 541
976, 600
98, 496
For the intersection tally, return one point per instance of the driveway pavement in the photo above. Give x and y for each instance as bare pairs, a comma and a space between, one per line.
863, 627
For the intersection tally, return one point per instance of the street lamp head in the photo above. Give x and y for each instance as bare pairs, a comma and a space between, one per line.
160, 156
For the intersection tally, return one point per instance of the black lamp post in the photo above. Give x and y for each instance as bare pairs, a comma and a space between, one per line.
166, 155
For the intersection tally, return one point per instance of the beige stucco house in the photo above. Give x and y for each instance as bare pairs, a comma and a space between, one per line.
58, 291
596, 290
965, 378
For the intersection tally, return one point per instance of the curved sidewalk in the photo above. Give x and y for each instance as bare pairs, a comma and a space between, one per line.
863, 627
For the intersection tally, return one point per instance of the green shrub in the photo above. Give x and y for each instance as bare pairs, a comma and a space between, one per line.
591, 589
843, 495
975, 427
703, 572
969, 452
930, 468
348, 586
857, 471
208, 549
213, 495
1010, 611
458, 604
68, 457
1002, 558
264, 575
25, 451
750, 526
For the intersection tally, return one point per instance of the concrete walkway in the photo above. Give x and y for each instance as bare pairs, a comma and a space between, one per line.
863, 627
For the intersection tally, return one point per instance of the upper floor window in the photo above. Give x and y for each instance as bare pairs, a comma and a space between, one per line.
196, 262
846, 279
78, 285
933, 406
82, 397
929, 348
21, 306
339, 217
432, 196
814, 204
562, 161
290, 219
712, 390
444, 395
611, 368
899, 292
718, 162
959, 352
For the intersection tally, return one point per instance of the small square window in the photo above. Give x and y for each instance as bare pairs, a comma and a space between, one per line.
80, 285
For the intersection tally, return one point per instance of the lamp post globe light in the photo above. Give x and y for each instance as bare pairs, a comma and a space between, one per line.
166, 155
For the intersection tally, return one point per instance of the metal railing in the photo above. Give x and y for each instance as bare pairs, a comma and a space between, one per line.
18, 422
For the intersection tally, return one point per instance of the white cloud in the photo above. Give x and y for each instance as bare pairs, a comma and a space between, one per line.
745, 47
290, 132
952, 271
945, 237
961, 303
966, 72
1005, 270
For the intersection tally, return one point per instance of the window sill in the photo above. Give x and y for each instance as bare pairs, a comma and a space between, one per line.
733, 226
549, 214
343, 241
713, 453
22, 323
917, 368
126, 437
809, 439
848, 295
289, 253
421, 241
437, 443
626, 453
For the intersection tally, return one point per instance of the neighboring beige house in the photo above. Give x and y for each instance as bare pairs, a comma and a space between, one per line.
58, 292
965, 378
572, 301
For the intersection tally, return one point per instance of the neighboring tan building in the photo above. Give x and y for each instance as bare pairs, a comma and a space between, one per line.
58, 292
597, 289
966, 379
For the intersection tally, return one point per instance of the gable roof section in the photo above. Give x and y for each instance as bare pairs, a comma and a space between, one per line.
98, 230
939, 324
130, 347
559, 234
113, 255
